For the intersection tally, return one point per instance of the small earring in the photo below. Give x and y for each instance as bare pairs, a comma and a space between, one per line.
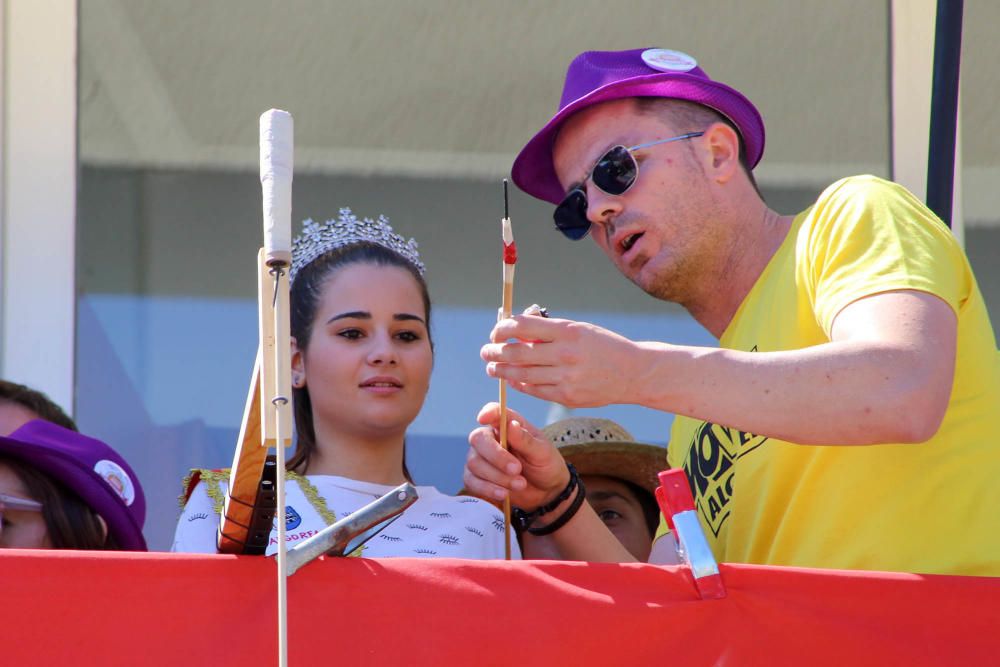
297, 381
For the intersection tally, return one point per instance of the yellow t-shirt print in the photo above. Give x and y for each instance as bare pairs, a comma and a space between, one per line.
710, 469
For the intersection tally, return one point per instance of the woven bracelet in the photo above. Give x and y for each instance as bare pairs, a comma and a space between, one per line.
523, 520
566, 516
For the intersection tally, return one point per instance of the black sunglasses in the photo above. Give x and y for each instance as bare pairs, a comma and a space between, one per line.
614, 174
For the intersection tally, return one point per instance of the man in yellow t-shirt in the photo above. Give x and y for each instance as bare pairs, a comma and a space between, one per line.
915, 507
850, 416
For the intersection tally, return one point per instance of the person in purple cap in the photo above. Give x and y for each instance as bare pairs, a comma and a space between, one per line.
848, 418
60, 489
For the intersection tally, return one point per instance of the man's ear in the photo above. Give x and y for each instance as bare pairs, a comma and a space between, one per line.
724, 151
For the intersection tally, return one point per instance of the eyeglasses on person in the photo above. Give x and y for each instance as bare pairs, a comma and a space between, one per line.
17, 504
614, 173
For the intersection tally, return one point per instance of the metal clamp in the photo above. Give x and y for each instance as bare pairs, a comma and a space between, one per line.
348, 534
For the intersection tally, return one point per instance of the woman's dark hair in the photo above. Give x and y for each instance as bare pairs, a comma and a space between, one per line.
306, 291
70, 522
36, 401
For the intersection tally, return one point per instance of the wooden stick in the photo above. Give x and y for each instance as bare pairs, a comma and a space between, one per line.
282, 557
508, 297
508, 291
279, 414
276, 160
509, 261
244, 478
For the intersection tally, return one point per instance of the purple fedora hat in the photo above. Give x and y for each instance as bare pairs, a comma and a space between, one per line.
600, 76
89, 468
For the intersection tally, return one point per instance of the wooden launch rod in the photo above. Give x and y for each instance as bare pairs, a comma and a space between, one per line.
509, 261
273, 263
251, 503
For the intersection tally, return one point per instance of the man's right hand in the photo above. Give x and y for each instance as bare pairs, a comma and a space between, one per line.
532, 469
576, 364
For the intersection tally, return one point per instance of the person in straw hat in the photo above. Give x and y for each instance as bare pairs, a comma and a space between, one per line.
619, 475
852, 401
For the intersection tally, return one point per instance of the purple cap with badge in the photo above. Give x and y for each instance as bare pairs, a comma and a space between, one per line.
89, 468
601, 76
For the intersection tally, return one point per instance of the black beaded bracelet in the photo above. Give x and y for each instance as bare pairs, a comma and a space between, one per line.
522, 520
566, 516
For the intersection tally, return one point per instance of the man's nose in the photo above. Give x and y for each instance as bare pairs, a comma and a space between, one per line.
602, 208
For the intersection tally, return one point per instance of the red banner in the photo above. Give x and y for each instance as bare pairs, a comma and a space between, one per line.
84, 608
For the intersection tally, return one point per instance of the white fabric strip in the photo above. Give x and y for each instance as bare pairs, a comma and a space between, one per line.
276, 160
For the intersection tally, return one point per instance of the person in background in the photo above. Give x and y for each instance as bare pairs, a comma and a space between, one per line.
620, 476
20, 404
60, 489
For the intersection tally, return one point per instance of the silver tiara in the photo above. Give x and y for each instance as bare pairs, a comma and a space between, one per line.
318, 239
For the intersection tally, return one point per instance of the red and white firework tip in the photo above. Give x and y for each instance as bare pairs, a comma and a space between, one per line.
509, 260
509, 247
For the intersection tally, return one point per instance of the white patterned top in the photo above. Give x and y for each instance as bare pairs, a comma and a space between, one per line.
436, 525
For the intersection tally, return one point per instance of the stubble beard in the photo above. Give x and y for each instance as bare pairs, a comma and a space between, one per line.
669, 274
666, 283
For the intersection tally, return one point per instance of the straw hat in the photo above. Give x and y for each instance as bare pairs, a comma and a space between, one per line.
602, 447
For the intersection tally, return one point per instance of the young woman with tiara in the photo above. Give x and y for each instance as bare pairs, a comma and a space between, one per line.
361, 364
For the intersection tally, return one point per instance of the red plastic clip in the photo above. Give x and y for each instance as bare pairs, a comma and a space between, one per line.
677, 504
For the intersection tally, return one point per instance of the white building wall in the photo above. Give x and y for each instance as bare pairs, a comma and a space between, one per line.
38, 195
